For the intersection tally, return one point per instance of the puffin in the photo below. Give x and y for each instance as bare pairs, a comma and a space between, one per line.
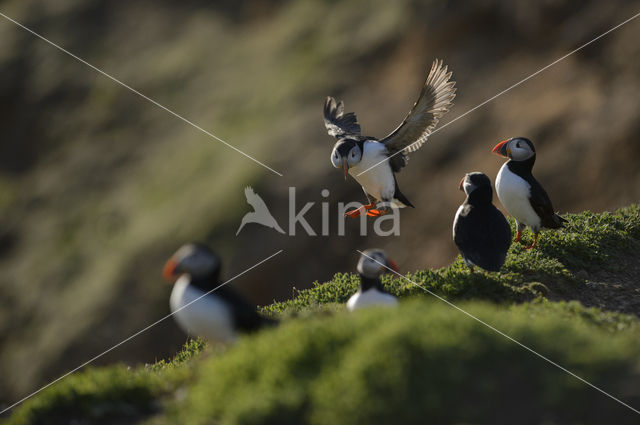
480, 231
372, 263
520, 193
201, 305
374, 163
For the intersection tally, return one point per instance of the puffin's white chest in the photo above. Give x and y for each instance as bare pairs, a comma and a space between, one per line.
370, 297
378, 181
209, 317
513, 192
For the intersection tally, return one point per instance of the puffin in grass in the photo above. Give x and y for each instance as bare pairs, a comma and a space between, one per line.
374, 163
480, 230
520, 193
201, 304
372, 264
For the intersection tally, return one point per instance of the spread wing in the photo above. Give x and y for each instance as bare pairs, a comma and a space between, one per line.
337, 122
254, 199
435, 100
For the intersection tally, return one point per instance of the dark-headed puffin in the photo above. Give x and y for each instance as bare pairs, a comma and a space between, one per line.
372, 162
480, 231
217, 316
371, 292
520, 193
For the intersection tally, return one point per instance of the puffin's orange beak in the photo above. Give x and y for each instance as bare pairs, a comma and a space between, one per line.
168, 271
501, 149
393, 266
346, 168
461, 185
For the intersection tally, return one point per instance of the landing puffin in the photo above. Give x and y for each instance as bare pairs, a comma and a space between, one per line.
480, 231
372, 162
371, 292
520, 193
218, 316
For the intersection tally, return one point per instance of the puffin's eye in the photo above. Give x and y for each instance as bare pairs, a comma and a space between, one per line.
518, 145
353, 154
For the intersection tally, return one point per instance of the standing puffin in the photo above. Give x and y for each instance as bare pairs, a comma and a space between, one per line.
520, 193
372, 263
480, 231
217, 316
372, 162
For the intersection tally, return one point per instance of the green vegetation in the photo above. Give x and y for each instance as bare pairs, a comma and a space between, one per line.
590, 242
114, 394
422, 362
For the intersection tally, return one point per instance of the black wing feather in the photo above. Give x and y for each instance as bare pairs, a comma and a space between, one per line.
541, 203
245, 316
338, 123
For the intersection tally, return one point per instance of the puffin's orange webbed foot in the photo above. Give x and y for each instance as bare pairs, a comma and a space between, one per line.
358, 211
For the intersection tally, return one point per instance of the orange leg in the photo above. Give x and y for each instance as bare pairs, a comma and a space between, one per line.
535, 241
358, 211
377, 213
518, 236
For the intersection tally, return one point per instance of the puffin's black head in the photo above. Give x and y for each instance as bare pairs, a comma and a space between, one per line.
516, 148
346, 153
374, 262
476, 183
194, 259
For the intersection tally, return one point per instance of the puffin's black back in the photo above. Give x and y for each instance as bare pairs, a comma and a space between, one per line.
245, 316
481, 231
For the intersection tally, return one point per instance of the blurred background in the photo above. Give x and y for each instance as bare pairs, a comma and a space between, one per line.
98, 187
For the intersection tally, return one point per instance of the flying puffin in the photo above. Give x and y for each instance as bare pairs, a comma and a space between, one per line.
480, 231
520, 193
216, 316
371, 292
372, 162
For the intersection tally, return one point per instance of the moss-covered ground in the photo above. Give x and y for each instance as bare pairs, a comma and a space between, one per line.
424, 362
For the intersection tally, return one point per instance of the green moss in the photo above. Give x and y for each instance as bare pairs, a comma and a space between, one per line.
112, 394
590, 242
191, 349
420, 363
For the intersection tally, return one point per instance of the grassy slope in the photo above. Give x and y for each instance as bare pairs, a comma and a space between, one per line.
591, 243
423, 360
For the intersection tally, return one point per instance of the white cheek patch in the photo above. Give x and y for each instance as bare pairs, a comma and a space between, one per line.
336, 161
354, 158
520, 154
468, 187
369, 266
